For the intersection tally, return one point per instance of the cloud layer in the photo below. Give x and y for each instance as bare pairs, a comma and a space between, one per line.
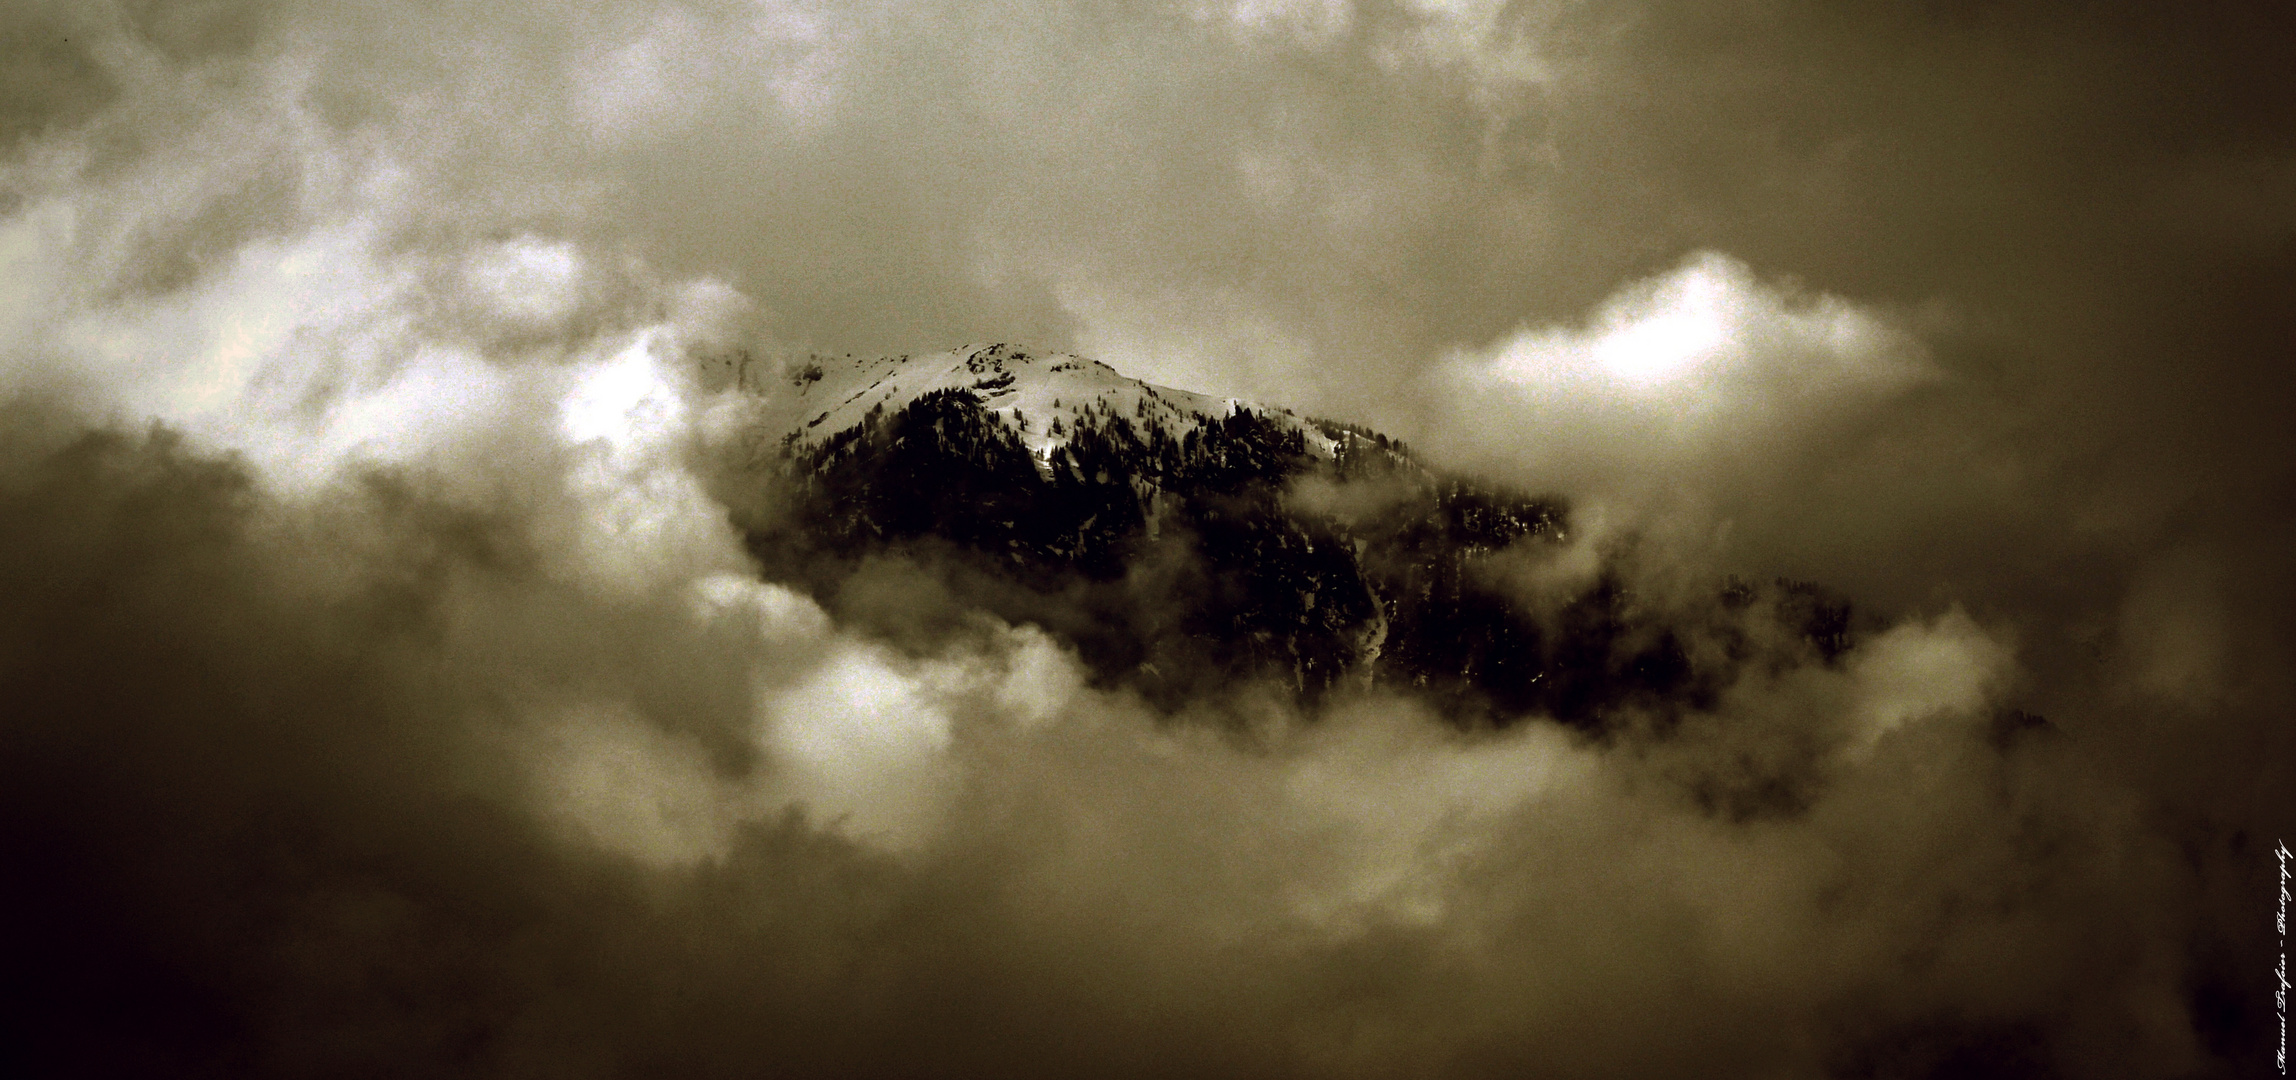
389, 692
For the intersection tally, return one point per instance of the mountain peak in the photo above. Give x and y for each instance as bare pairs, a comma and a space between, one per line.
1039, 397
1188, 546
1183, 544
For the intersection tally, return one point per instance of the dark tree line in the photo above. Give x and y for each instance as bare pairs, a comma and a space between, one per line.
1176, 563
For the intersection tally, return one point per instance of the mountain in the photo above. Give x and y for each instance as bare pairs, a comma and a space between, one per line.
1040, 398
1188, 547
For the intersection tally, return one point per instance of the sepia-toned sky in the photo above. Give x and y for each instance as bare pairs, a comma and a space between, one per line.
388, 694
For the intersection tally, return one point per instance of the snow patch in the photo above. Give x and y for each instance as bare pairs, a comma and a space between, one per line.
1041, 398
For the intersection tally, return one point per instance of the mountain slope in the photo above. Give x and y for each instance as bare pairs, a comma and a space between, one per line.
1188, 546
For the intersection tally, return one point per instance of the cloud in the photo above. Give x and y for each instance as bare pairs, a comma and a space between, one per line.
433, 784
1704, 364
403, 700
1917, 672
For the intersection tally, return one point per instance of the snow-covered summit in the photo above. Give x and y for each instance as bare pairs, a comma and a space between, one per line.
1041, 398
1306, 552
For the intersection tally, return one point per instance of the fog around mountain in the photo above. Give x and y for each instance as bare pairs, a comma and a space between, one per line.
397, 681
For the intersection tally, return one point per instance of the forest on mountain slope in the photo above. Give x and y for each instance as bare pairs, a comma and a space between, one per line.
1190, 565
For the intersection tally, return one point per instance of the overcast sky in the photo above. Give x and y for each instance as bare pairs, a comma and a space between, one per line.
1979, 313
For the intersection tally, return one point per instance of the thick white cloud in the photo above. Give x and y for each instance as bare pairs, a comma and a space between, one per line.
1703, 370
1948, 667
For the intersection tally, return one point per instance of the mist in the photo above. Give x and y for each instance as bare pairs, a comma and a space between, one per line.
390, 689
